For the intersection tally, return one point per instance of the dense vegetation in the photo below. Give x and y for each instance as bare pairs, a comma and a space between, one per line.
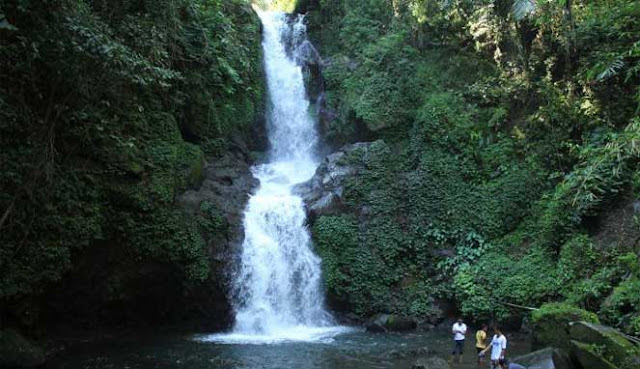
507, 156
503, 165
108, 110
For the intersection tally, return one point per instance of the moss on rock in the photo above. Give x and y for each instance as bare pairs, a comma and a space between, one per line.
590, 356
551, 324
614, 346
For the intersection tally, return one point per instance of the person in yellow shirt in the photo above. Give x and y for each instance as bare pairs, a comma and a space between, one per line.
481, 338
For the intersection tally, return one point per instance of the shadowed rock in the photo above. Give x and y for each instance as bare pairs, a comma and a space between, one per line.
548, 358
390, 323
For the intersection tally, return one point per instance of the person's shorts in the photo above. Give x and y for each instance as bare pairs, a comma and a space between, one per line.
479, 351
458, 347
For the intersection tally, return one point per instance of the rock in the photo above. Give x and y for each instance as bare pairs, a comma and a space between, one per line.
223, 196
323, 194
610, 343
227, 184
551, 324
390, 323
430, 363
590, 357
18, 352
548, 358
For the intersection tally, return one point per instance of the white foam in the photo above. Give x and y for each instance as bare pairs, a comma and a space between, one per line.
278, 294
289, 335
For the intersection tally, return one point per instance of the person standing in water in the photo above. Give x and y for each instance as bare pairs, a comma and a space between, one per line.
481, 337
459, 331
498, 349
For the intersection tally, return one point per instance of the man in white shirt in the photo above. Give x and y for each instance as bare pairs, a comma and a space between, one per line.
459, 331
498, 349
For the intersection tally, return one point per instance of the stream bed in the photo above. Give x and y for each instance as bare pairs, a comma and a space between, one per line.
353, 350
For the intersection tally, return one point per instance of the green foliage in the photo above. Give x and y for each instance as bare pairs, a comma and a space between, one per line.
561, 314
503, 276
362, 286
577, 259
620, 308
106, 113
508, 128
381, 90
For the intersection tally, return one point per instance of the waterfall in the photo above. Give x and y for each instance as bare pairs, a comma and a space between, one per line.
277, 291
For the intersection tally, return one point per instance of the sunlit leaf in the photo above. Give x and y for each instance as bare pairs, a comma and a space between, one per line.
523, 8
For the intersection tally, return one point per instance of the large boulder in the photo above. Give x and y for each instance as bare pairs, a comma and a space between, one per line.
607, 342
590, 356
548, 358
18, 352
390, 323
551, 324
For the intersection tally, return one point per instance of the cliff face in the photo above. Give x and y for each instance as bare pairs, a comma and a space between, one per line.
127, 135
479, 179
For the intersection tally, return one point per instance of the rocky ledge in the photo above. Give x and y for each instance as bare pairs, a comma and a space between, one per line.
323, 193
222, 197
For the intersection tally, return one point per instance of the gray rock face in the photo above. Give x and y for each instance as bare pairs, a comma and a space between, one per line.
612, 346
391, 323
548, 358
227, 185
323, 194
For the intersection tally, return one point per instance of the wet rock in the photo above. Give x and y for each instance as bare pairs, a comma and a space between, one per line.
227, 184
18, 352
430, 363
390, 323
604, 341
323, 194
548, 358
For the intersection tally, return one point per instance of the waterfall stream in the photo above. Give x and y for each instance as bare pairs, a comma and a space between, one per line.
277, 291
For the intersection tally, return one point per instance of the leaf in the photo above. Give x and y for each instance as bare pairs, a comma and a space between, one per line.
611, 70
523, 8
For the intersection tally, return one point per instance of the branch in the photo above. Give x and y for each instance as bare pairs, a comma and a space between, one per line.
519, 306
6, 213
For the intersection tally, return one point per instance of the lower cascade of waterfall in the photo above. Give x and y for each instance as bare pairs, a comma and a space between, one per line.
278, 292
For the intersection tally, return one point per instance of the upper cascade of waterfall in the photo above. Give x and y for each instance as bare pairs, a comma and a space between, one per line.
278, 289
292, 132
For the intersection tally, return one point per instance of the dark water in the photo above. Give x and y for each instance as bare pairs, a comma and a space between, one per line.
359, 350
